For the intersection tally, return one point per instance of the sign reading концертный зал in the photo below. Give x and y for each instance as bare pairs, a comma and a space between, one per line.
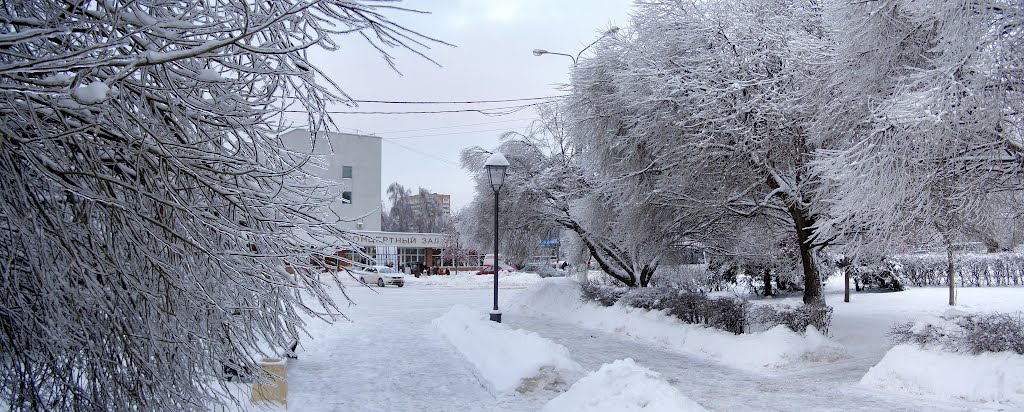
418, 240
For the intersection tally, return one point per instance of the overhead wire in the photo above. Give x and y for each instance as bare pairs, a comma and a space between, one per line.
446, 134
461, 102
488, 111
411, 149
459, 125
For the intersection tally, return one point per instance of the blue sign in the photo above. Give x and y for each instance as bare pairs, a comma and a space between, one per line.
549, 242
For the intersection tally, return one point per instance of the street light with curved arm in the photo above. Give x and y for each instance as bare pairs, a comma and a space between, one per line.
575, 59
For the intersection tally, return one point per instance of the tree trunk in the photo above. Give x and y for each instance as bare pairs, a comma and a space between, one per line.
646, 273
629, 280
767, 282
812, 279
846, 285
951, 276
844, 265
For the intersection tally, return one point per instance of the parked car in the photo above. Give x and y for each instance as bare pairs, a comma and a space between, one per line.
544, 270
381, 275
487, 270
550, 272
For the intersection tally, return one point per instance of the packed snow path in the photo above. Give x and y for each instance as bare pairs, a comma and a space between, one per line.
390, 358
829, 387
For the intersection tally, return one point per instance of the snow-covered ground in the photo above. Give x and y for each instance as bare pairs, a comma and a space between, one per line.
397, 354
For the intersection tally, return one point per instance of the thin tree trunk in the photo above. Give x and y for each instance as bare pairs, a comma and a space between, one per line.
767, 282
950, 276
846, 285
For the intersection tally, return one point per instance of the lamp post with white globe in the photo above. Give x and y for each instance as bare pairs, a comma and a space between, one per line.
496, 165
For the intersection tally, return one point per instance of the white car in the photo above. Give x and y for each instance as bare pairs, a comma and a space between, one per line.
381, 275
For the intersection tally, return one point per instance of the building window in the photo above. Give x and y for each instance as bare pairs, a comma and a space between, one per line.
346, 172
346, 196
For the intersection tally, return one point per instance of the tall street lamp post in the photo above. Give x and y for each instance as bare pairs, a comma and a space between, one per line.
575, 59
496, 165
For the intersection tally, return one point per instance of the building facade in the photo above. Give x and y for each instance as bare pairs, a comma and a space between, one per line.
353, 161
417, 201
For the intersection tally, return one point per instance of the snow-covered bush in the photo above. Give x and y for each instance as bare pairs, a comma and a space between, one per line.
689, 277
727, 314
886, 274
996, 332
603, 294
795, 318
962, 332
649, 298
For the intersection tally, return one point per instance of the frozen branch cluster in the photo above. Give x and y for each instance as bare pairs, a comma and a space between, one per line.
148, 209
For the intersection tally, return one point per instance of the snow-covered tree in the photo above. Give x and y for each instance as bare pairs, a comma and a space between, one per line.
704, 108
926, 121
549, 188
148, 208
422, 212
453, 248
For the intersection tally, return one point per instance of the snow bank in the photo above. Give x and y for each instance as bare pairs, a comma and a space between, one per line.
622, 386
507, 360
988, 377
778, 347
469, 280
549, 295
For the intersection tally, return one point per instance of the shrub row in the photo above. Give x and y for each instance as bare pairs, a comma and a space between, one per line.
796, 319
990, 269
603, 294
728, 314
970, 333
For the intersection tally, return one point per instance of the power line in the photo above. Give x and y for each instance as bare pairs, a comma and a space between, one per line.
448, 134
461, 102
490, 111
411, 149
458, 125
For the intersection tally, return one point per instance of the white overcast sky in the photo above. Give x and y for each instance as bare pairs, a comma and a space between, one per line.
492, 59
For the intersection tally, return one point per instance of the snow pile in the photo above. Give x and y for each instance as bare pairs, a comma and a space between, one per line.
549, 296
622, 386
777, 347
470, 280
91, 93
508, 360
988, 377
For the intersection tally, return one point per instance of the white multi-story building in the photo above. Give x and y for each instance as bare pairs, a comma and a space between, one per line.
352, 160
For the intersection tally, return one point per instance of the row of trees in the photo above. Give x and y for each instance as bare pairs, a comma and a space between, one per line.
748, 126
